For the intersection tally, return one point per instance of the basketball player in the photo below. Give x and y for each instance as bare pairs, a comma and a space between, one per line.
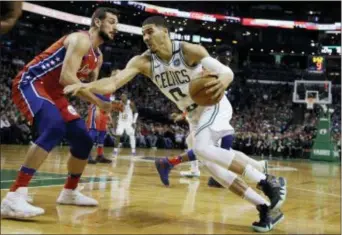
171, 66
38, 93
97, 125
127, 120
224, 55
10, 13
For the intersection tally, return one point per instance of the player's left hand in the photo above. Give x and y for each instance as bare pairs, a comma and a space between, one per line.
134, 125
75, 88
216, 88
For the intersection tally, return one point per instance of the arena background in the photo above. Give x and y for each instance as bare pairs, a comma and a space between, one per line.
271, 45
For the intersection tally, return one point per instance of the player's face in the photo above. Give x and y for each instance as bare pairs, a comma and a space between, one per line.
154, 36
108, 27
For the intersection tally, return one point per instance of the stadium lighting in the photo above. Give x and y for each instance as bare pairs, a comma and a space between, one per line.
251, 49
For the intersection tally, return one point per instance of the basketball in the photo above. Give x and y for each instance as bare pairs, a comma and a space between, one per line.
197, 91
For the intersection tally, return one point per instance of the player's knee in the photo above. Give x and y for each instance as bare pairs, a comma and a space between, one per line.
80, 141
81, 146
52, 135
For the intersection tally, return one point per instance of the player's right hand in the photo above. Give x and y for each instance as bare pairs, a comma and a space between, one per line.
75, 88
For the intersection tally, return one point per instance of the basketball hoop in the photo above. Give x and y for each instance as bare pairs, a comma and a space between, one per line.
310, 103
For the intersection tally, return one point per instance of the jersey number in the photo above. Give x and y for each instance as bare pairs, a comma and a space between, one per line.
178, 91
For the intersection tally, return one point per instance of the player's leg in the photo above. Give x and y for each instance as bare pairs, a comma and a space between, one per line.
194, 165
93, 135
236, 185
51, 129
131, 133
118, 133
100, 142
213, 125
80, 147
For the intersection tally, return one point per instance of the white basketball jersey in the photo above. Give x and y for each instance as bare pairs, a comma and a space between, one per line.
173, 78
127, 114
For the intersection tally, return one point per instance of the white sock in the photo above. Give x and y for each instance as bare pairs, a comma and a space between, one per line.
253, 174
132, 141
254, 198
194, 166
248, 160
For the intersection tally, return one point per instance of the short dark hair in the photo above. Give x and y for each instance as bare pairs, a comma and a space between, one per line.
100, 13
156, 20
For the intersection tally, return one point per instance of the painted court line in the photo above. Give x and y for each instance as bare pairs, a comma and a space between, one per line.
36, 179
313, 191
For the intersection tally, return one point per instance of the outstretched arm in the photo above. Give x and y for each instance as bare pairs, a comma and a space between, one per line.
110, 84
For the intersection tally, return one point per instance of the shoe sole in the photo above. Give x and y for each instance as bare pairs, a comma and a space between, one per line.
281, 202
265, 230
70, 203
18, 217
190, 176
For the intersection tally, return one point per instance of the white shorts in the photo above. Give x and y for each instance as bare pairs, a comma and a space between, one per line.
216, 118
125, 126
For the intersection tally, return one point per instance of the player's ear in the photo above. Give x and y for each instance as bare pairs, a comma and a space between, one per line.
97, 22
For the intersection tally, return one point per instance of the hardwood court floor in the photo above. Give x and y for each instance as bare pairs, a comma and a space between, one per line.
133, 200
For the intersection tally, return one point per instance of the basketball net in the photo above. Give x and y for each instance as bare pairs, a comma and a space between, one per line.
310, 103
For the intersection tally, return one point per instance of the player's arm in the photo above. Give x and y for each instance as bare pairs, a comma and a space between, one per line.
112, 83
135, 113
77, 47
9, 20
195, 54
95, 74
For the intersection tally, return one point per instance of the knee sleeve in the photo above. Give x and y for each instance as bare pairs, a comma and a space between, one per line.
79, 139
51, 127
227, 142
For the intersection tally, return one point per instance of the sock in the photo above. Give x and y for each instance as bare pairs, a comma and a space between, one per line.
24, 176
253, 174
194, 166
72, 181
254, 198
99, 150
175, 160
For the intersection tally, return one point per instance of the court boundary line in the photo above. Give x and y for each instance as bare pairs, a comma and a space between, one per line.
314, 191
